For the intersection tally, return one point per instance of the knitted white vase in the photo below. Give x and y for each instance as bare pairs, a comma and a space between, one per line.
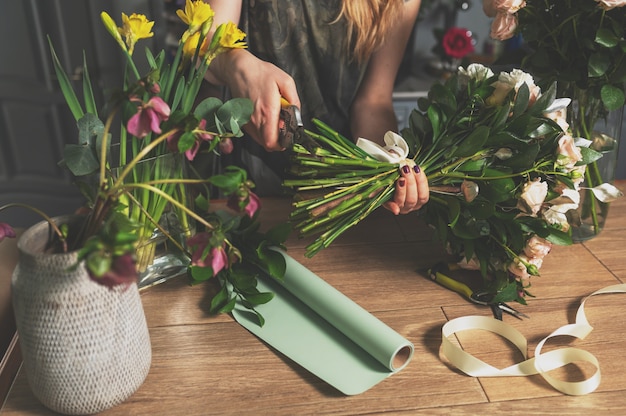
85, 347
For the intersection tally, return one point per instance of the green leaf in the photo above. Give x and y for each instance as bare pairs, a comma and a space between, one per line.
507, 294
221, 300
235, 113
90, 102
606, 38
201, 274
98, 263
260, 298
598, 64
66, 85
273, 261
612, 97
279, 233
89, 128
80, 159
473, 143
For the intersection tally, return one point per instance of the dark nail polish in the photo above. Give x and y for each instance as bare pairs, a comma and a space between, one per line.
417, 169
401, 182
406, 169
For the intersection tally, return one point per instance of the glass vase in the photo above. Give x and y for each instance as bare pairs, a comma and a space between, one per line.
589, 120
163, 226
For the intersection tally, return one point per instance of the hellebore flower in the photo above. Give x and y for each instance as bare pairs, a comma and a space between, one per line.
246, 201
148, 118
122, 272
203, 255
6, 231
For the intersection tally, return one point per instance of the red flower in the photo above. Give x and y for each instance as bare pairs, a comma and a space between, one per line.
6, 231
457, 42
148, 118
122, 272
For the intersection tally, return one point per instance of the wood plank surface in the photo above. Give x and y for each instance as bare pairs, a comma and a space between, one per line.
205, 365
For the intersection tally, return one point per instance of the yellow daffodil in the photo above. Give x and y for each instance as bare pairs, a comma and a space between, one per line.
135, 27
191, 44
227, 36
198, 15
111, 27
232, 37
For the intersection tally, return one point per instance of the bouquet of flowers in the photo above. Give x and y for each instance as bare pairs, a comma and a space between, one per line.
502, 172
129, 190
580, 45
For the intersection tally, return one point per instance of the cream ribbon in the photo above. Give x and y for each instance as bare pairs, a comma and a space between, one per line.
542, 363
396, 149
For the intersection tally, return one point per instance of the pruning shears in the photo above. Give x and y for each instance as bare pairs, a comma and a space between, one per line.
291, 128
481, 298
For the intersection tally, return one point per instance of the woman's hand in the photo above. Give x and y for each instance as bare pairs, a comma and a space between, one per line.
262, 82
411, 191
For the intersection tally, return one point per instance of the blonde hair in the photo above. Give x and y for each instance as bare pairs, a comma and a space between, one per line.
368, 23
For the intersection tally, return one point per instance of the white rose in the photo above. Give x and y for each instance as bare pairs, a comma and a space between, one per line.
476, 72
532, 197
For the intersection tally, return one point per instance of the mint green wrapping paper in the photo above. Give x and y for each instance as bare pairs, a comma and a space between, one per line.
325, 332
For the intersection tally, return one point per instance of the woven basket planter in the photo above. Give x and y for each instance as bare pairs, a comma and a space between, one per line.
85, 347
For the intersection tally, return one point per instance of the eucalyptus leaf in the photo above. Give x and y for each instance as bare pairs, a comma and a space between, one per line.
80, 159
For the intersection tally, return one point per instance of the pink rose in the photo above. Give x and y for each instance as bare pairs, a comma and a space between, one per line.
532, 197
611, 4
537, 247
503, 26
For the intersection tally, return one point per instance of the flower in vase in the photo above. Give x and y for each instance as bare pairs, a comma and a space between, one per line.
122, 271
148, 118
6, 231
134, 190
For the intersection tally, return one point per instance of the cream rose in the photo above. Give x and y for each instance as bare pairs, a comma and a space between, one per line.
569, 153
513, 80
533, 195
537, 247
611, 4
503, 26
509, 6
489, 8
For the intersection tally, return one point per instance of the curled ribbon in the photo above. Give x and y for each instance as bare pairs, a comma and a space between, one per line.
396, 149
542, 363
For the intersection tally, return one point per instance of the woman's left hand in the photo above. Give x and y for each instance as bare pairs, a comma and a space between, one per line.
411, 191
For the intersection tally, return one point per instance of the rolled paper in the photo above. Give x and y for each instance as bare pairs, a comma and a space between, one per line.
325, 332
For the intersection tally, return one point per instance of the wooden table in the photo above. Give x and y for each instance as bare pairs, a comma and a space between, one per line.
210, 365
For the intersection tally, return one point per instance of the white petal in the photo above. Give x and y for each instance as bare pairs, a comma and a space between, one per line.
606, 192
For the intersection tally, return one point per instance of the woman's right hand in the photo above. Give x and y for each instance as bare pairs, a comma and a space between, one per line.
262, 82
